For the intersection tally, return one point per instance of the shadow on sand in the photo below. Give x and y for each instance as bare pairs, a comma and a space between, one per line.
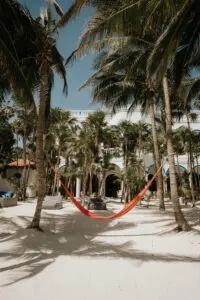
75, 235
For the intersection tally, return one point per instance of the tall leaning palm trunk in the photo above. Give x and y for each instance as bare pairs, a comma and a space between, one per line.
24, 181
49, 61
181, 221
191, 162
40, 166
85, 179
160, 192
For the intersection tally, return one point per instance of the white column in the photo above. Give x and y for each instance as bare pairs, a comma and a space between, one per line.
78, 187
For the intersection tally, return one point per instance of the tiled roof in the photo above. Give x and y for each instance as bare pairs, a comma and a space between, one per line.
20, 163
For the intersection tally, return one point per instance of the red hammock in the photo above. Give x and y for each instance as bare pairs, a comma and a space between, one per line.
124, 211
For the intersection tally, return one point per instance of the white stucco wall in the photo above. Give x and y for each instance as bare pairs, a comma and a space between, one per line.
114, 119
5, 184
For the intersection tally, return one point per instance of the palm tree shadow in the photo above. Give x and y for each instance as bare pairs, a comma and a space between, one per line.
72, 235
63, 235
193, 214
122, 251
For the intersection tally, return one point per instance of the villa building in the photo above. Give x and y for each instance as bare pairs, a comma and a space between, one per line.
148, 163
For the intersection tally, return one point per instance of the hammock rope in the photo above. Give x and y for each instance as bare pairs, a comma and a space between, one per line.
124, 211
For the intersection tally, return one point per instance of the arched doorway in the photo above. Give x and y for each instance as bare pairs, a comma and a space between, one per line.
112, 186
112, 183
181, 174
196, 177
95, 184
182, 177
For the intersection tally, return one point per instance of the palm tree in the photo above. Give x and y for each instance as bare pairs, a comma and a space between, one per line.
177, 44
94, 133
184, 139
189, 90
179, 41
106, 23
109, 148
131, 143
19, 67
90, 152
7, 138
84, 146
23, 66
60, 131
116, 90
49, 61
15, 24
24, 123
111, 22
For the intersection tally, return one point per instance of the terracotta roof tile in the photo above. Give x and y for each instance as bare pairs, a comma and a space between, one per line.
20, 163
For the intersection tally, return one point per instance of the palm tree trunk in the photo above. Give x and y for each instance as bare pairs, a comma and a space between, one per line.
17, 150
197, 163
179, 173
85, 177
28, 172
140, 142
122, 195
179, 217
100, 185
129, 195
55, 184
24, 169
191, 178
125, 169
69, 183
40, 176
90, 182
160, 191
125, 194
196, 183
191, 164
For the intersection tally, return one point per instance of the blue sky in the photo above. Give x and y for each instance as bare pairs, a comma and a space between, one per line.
80, 71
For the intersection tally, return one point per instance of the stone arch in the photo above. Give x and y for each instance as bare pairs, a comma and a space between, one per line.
182, 176
179, 169
114, 170
196, 169
196, 176
111, 186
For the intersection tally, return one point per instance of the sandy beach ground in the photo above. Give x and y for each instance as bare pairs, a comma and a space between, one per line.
138, 256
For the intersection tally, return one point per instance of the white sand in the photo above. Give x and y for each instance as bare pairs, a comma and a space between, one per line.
136, 257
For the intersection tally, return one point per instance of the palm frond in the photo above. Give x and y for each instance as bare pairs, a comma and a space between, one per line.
72, 13
59, 67
18, 80
113, 43
193, 91
50, 85
166, 46
109, 23
58, 9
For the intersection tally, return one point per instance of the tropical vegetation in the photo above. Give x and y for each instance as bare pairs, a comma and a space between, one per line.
146, 53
